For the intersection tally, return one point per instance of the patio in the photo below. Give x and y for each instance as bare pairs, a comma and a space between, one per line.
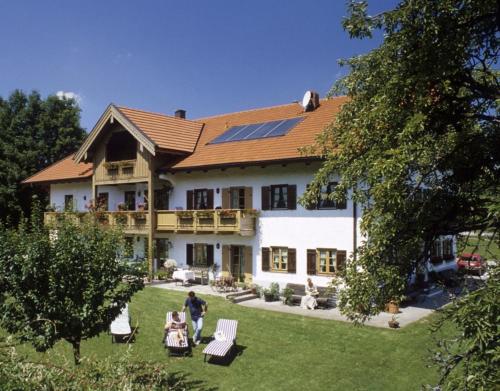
409, 314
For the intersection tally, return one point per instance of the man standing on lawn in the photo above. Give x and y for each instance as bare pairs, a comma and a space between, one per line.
198, 309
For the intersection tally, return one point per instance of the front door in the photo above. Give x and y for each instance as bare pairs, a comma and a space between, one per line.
130, 200
103, 201
237, 263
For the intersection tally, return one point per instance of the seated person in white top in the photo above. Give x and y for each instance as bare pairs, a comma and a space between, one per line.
309, 300
175, 326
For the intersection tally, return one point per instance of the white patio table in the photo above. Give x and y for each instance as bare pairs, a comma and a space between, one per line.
183, 275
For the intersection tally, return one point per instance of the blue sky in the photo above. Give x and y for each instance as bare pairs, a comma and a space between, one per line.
208, 57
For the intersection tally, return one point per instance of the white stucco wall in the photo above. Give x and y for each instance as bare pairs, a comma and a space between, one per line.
81, 192
301, 229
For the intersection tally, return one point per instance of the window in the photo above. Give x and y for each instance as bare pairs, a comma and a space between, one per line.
130, 200
279, 257
199, 254
237, 198
161, 199
201, 199
121, 146
327, 260
325, 203
237, 262
103, 201
442, 248
68, 202
279, 197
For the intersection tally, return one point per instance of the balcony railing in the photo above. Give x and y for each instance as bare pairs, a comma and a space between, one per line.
216, 221
130, 221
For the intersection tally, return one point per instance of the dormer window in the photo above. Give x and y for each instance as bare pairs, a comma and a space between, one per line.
121, 146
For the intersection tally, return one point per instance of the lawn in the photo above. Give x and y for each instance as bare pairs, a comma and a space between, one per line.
278, 351
484, 246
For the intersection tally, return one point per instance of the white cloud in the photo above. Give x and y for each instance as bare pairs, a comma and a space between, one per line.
69, 95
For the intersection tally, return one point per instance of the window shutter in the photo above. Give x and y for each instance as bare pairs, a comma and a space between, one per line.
311, 261
292, 260
266, 193
210, 199
265, 259
341, 259
226, 197
247, 251
210, 254
225, 258
189, 254
248, 198
189, 200
292, 197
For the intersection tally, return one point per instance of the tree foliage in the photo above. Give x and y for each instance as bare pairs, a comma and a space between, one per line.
17, 373
63, 282
469, 358
417, 143
34, 133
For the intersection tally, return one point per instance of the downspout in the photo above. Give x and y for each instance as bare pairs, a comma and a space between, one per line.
354, 229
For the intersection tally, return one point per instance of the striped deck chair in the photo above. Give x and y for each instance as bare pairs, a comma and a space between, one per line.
225, 338
172, 343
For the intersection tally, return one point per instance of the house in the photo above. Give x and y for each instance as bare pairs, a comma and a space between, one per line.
217, 190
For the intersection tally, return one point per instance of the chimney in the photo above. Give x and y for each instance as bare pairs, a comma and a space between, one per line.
180, 114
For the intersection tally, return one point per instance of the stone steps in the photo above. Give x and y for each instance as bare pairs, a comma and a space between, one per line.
239, 299
233, 295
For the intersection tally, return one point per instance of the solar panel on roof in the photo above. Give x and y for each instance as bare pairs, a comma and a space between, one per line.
256, 131
284, 127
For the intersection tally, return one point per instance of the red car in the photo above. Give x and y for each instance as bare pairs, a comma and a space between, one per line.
471, 262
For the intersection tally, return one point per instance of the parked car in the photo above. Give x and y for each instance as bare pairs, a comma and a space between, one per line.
471, 262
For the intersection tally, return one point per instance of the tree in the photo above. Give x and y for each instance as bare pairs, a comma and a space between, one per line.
416, 145
34, 133
66, 282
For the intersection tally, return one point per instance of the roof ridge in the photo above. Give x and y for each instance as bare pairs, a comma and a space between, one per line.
246, 111
263, 108
156, 113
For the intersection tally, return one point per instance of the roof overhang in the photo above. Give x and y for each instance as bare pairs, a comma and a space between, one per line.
111, 114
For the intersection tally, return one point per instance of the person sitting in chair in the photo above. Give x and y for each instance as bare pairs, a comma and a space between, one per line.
176, 327
309, 300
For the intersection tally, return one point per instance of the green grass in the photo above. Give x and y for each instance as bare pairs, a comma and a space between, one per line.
280, 351
472, 244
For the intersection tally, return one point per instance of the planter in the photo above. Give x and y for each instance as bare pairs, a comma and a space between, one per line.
268, 297
393, 324
392, 307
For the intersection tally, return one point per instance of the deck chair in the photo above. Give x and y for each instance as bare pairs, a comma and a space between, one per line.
224, 338
174, 346
120, 327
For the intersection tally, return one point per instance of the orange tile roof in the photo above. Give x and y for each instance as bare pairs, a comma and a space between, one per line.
267, 149
194, 136
169, 133
63, 170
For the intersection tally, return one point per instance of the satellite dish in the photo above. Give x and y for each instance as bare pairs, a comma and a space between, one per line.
306, 100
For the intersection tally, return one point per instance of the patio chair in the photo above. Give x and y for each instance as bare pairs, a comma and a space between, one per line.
224, 338
172, 343
120, 327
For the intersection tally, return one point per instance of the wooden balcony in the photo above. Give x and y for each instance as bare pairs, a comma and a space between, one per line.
131, 222
216, 221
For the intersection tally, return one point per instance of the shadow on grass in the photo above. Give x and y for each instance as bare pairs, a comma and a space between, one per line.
125, 338
227, 360
181, 380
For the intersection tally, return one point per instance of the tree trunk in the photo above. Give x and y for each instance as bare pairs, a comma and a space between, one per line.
76, 351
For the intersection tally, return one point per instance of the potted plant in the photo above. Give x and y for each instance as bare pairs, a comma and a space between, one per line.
122, 206
393, 323
121, 218
272, 293
140, 216
392, 307
227, 214
287, 294
170, 265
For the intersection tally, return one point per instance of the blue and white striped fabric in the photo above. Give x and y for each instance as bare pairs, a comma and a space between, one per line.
220, 348
171, 340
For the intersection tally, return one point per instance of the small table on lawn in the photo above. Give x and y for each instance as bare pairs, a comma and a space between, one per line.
183, 275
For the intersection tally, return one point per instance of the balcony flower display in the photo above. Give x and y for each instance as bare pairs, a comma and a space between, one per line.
228, 214
122, 206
